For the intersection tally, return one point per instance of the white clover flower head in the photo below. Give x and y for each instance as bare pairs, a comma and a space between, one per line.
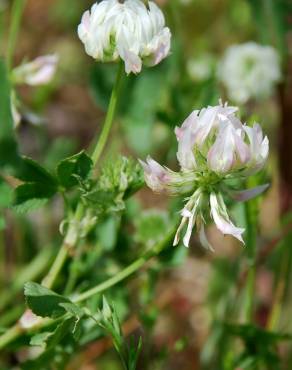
249, 71
214, 146
40, 71
128, 30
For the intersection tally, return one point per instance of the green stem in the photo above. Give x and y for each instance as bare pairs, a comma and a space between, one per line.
109, 117
251, 213
10, 335
135, 266
56, 267
73, 270
63, 254
16, 11
275, 313
15, 332
250, 291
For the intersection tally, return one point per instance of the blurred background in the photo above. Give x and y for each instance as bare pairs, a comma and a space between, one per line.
180, 301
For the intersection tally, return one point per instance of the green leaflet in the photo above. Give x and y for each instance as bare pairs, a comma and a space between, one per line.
72, 168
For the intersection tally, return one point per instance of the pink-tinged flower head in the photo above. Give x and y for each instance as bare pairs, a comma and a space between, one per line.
128, 30
213, 147
40, 71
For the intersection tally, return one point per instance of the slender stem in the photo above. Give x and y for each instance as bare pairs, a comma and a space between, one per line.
52, 275
250, 291
115, 279
251, 213
56, 267
73, 270
135, 266
16, 11
109, 117
275, 313
10, 335
15, 332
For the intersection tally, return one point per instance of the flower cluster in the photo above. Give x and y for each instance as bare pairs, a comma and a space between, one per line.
214, 147
249, 71
128, 30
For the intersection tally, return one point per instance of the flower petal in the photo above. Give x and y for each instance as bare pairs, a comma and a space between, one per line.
203, 238
221, 218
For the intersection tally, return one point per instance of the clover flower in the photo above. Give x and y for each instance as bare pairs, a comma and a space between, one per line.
40, 71
249, 71
128, 30
214, 148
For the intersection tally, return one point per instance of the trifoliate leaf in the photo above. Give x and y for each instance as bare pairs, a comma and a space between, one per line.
30, 205
39, 186
72, 168
32, 172
30, 196
44, 302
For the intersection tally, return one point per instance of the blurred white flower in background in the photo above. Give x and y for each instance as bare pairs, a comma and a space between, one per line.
40, 71
249, 71
201, 67
132, 31
214, 147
